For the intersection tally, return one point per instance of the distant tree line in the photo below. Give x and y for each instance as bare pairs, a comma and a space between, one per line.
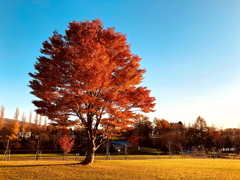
25, 132
177, 137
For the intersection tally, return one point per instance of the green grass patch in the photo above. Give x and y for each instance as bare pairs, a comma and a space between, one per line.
122, 169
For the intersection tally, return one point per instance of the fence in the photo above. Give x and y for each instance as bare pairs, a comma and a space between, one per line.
77, 157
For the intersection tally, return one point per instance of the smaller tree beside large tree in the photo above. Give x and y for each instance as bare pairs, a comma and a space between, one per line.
66, 143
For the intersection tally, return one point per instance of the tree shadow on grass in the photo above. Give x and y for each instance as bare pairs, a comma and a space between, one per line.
39, 165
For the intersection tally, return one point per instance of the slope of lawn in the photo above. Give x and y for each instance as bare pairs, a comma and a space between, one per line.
122, 169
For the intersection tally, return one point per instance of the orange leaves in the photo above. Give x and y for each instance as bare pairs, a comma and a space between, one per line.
133, 140
161, 125
66, 144
139, 98
15, 128
14, 131
13, 137
90, 73
216, 133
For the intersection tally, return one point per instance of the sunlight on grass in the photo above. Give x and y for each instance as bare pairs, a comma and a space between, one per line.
122, 169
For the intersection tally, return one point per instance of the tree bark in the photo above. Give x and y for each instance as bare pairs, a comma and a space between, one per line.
89, 159
170, 151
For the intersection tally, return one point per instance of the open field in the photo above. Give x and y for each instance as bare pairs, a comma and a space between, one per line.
24, 157
45, 156
122, 169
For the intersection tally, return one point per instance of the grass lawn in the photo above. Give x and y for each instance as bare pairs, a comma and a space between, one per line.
73, 157
122, 169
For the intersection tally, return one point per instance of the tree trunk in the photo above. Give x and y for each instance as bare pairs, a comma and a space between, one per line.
169, 150
89, 155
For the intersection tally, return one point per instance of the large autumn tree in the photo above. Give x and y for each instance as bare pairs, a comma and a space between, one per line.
90, 73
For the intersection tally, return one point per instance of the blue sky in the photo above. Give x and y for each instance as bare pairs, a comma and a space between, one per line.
190, 49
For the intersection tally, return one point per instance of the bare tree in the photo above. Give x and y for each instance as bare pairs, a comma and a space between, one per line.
45, 123
30, 120
201, 126
24, 124
36, 121
40, 120
169, 139
2, 117
203, 149
16, 115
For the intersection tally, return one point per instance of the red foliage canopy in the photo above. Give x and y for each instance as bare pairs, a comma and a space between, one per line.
90, 73
66, 144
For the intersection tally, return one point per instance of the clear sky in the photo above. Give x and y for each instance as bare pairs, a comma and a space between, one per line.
190, 49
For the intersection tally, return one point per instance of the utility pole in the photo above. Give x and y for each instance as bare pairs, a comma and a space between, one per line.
38, 153
6, 155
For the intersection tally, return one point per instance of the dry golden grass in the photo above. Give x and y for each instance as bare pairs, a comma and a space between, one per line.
122, 169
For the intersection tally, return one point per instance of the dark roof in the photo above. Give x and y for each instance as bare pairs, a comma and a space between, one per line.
121, 143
